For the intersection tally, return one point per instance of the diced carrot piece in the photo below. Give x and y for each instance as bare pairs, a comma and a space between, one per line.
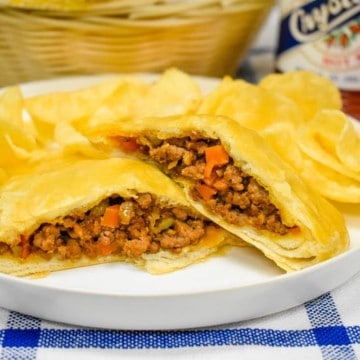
25, 246
214, 156
106, 249
127, 144
111, 216
206, 192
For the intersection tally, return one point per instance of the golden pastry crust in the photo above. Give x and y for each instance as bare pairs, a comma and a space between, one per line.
30, 200
322, 232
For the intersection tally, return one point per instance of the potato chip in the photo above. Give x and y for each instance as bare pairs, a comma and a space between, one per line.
174, 93
12, 110
282, 138
11, 105
70, 106
73, 142
17, 135
310, 91
125, 103
16, 141
46, 110
250, 105
10, 153
348, 146
331, 184
331, 139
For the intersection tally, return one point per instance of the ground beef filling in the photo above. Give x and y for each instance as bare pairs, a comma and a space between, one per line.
143, 227
228, 191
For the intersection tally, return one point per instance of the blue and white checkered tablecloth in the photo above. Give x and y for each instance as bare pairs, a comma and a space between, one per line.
325, 328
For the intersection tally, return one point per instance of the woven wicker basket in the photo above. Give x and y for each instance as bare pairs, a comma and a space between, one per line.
52, 38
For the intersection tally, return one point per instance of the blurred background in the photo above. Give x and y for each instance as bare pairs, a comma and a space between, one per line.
42, 39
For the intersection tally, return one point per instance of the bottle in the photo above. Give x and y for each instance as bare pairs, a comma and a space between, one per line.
323, 36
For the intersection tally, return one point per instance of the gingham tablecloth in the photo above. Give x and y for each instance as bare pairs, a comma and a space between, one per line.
325, 328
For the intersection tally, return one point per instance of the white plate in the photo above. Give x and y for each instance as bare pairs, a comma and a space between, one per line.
239, 285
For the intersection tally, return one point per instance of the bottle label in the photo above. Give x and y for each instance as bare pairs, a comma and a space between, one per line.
322, 36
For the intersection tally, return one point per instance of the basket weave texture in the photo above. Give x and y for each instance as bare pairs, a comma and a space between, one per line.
204, 37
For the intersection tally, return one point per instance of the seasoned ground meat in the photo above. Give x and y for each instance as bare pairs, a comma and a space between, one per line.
4, 248
230, 192
182, 235
143, 227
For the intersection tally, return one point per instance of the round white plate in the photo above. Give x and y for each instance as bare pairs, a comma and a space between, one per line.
238, 285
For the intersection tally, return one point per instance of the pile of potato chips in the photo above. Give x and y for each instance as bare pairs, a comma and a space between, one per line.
298, 113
